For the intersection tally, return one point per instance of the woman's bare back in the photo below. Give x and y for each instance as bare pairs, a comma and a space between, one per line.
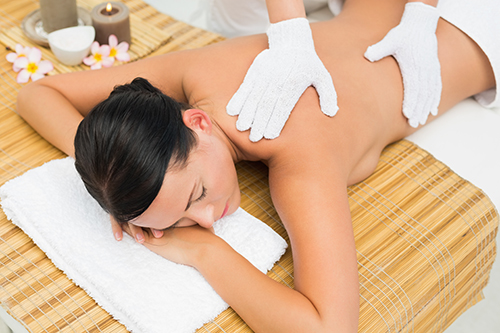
369, 94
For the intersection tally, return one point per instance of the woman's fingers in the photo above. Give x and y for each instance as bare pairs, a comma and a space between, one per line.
136, 232
116, 228
157, 233
183, 245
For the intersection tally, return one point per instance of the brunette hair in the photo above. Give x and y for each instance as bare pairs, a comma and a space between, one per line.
124, 146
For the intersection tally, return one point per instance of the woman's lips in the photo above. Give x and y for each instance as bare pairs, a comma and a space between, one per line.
225, 210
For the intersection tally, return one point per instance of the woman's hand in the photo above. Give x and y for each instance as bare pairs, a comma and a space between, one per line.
136, 232
183, 245
413, 44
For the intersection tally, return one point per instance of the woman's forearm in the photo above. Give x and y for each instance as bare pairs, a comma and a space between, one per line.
280, 10
50, 114
264, 304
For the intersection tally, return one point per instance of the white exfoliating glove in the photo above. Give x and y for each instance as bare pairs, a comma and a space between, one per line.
278, 77
413, 44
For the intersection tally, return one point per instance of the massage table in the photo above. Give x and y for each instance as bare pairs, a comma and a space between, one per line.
425, 231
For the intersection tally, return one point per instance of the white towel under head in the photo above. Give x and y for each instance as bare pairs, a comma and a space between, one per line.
137, 287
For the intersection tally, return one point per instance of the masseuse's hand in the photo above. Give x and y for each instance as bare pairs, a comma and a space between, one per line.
278, 77
136, 232
413, 44
183, 245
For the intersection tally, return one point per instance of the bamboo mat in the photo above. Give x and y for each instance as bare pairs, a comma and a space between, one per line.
425, 237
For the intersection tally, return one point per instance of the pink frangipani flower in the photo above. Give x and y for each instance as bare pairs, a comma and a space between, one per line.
119, 51
21, 51
32, 66
100, 57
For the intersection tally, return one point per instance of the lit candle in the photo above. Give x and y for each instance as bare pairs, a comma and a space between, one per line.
58, 14
111, 18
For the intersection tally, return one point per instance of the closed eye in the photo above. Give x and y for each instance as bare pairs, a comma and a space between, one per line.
203, 194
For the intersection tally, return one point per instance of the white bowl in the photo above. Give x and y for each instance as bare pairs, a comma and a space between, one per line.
71, 45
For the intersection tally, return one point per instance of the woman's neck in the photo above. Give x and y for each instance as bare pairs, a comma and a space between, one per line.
236, 154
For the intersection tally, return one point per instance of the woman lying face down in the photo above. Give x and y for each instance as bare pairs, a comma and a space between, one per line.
149, 161
157, 163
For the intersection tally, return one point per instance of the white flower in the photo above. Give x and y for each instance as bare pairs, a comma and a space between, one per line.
100, 57
119, 51
21, 51
32, 66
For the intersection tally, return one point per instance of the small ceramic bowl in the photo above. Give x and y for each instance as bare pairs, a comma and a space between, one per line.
71, 45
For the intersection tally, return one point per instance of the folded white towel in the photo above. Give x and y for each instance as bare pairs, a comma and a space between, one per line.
137, 287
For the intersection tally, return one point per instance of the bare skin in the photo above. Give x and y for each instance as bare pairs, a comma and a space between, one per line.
310, 164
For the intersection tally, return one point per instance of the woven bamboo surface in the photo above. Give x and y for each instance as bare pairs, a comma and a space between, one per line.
425, 237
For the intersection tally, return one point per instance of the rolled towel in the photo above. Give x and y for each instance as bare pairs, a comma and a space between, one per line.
140, 289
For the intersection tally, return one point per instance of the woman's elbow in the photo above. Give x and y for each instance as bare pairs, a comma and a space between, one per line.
347, 324
343, 316
26, 95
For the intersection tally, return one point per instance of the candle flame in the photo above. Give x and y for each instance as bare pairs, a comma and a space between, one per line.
108, 7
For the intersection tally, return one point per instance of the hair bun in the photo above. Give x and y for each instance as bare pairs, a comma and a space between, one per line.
139, 84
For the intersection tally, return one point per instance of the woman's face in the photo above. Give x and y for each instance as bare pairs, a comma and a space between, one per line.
200, 193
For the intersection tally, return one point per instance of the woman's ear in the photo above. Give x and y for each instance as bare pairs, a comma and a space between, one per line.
197, 120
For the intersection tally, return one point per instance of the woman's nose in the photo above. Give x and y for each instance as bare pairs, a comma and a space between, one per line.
204, 216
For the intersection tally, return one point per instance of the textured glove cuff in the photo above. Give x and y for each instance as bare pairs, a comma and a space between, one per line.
420, 15
290, 34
